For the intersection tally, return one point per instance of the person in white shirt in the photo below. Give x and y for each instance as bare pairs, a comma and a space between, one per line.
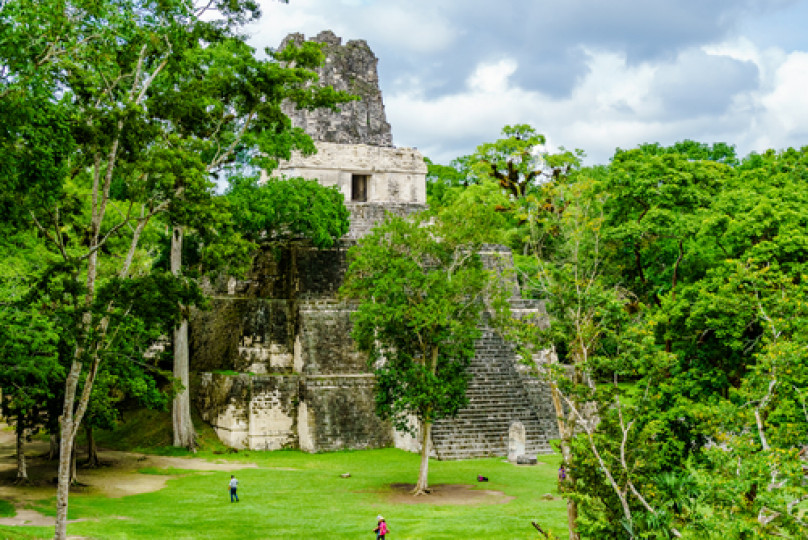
233, 488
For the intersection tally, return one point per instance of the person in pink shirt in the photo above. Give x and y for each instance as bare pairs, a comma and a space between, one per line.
381, 529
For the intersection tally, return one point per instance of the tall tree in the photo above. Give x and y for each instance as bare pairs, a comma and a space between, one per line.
519, 162
585, 314
152, 98
420, 295
708, 439
29, 367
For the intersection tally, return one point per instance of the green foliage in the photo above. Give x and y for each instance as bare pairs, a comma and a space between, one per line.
517, 161
479, 213
444, 182
282, 210
682, 270
7, 509
29, 367
419, 306
720, 152
520, 168
713, 249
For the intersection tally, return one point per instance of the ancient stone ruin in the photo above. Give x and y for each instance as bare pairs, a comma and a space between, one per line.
275, 363
351, 68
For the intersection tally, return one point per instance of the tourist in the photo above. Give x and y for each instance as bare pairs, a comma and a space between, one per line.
562, 474
233, 488
381, 529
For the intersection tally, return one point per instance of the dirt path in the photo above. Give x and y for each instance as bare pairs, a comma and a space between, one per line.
441, 494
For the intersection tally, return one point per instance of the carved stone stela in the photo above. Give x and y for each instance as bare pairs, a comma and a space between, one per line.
276, 366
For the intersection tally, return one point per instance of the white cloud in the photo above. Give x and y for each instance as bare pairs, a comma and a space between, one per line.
585, 74
418, 31
599, 115
385, 25
492, 78
786, 105
618, 105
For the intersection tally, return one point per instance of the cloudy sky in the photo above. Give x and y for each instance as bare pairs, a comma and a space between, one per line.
589, 74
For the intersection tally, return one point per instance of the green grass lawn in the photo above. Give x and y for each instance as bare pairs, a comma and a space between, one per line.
297, 495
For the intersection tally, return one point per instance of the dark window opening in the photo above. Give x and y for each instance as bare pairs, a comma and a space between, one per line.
359, 187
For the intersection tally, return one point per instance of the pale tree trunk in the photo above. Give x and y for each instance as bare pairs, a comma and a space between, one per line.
92, 450
72, 412
422, 487
66, 451
184, 434
566, 428
70, 421
22, 468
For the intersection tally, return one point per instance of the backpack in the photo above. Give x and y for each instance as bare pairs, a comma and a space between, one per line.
383, 527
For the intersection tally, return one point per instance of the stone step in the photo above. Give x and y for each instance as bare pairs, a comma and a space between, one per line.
490, 448
486, 452
497, 396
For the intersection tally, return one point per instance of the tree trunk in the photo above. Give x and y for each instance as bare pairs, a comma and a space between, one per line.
565, 431
70, 420
184, 434
22, 468
53, 449
74, 470
422, 487
65, 451
92, 450
73, 412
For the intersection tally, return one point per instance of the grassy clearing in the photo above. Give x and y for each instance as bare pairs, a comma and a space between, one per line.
297, 495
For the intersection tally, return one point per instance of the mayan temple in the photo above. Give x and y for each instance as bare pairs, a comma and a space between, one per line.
274, 360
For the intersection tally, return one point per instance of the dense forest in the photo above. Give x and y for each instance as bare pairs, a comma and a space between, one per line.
675, 281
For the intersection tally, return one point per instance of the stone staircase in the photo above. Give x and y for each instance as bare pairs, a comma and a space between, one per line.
497, 398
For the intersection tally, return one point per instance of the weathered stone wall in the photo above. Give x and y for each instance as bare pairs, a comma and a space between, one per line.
282, 370
351, 68
221, 402
365, 216
342, 409
394, 175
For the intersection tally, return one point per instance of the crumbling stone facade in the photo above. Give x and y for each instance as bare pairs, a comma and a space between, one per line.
349, 68
280, 370
277, 366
